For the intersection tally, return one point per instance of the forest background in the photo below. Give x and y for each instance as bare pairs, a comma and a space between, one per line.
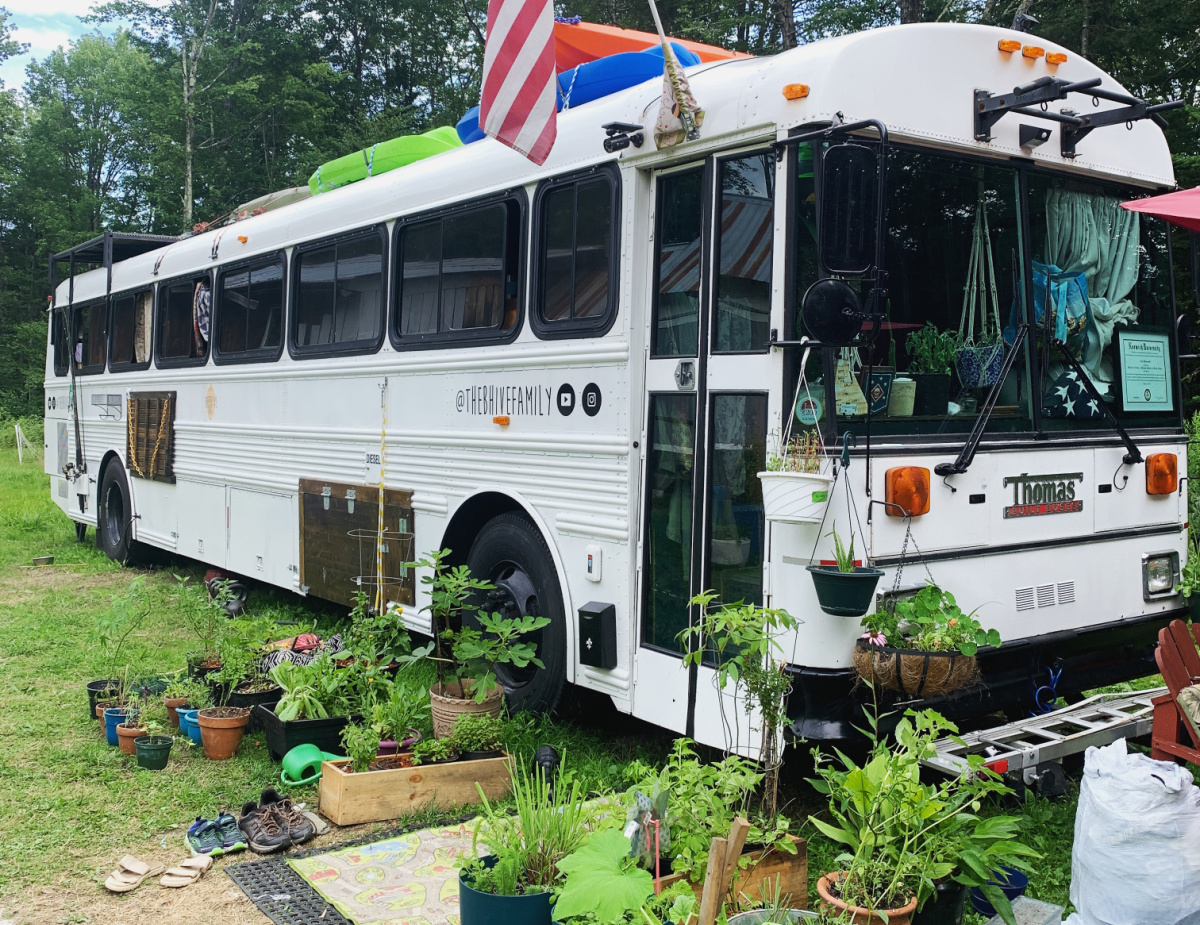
174, 112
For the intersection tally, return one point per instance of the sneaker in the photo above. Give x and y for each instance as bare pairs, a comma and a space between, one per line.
298, 826
263, 832
203, 838
232, 838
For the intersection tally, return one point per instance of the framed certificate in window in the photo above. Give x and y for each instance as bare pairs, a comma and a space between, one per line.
1146, 377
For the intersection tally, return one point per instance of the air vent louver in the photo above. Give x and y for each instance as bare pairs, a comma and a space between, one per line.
1024, 599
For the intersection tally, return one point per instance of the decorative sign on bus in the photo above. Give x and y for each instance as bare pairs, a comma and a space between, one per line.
1034, 495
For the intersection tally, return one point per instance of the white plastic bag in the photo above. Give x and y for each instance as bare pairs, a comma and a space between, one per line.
1136, 858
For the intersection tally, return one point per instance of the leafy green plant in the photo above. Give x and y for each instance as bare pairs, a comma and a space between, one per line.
428, 751
115, 625
803, 453
313, 691
202, 615
361, 743
198, 696
843, 555
404, 706
929, 621
601, 879
931, 350
477, 732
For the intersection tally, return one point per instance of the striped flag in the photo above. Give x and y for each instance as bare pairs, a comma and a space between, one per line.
517, 107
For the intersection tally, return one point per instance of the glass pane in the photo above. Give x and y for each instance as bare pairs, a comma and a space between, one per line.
669, 519
357, 308
677, 308
592, 241
232, 316
1101, 284
313, 323
58, 333
805, 264
182, 306
735, 528
420, 263
473, 269
744, 243
89, 337
124, 314
264, 311
558, 220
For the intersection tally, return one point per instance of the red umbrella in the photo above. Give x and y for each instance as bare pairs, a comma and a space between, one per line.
1182, 207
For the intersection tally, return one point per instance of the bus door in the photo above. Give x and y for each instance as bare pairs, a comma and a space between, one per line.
708, 378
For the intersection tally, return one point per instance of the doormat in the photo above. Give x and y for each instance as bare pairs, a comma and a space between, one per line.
405, 879
282, 895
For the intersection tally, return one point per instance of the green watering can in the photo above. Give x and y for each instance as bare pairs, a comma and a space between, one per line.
302, 765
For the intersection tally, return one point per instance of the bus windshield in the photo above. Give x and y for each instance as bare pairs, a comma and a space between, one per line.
958, 266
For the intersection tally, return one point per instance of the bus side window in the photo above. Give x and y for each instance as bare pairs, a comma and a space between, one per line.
88, 338
185, 320
339, 296
249, 312
576, 291
129, 340
59, 340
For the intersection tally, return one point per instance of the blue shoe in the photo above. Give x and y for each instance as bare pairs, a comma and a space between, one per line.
203, 837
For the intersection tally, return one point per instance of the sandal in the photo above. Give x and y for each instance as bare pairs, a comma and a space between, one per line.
129, 874
187, 872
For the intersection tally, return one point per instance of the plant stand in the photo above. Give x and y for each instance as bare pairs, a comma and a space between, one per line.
348, 798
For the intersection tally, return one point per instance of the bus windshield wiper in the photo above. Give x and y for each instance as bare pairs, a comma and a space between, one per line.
967, 455
1132, 453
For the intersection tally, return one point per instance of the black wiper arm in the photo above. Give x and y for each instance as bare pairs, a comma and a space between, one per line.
967, 455
1132, 453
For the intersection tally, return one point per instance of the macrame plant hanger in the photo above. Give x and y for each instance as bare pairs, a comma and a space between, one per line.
978, 291
801, 384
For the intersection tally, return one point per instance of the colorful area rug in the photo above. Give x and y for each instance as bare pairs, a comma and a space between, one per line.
409, 879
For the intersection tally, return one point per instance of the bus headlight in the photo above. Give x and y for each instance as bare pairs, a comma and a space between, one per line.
1160, 572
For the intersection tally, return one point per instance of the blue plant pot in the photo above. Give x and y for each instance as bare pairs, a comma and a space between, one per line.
1012, 884
189, 726
113, 717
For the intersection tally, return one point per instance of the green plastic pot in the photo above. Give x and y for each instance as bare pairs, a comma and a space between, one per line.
845, 594
153, 751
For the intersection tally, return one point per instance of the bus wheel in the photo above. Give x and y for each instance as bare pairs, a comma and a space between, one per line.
114, 518
511, 554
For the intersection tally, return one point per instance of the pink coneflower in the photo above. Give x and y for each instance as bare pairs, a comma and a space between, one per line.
875, 638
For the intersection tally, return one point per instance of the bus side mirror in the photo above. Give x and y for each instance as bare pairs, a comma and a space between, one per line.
849, 208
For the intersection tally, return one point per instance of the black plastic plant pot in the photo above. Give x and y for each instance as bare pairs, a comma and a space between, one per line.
946, 906
153, 751
267, 698
476, 908
282, 736
481, 755
845, 594
100, 690
933, 394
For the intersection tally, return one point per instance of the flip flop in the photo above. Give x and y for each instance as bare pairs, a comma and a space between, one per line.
129, 874
187, 872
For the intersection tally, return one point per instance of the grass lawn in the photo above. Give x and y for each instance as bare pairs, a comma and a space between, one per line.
71, 806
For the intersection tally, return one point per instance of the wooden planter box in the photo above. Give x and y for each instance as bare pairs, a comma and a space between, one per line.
377, 796
791, 869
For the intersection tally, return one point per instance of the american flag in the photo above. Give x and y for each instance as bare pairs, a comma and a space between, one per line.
519, 81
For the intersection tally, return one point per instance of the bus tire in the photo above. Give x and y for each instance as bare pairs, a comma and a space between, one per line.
114, 515
510, 553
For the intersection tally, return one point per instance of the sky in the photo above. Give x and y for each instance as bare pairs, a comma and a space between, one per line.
44, 25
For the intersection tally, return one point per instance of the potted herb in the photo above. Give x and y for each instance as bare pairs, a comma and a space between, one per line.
477, 736
313, 707
932, 354
794, 488
923, 645
361, 745
433, 751
468, 644
513, 884
185, 693
402, 717
844, 589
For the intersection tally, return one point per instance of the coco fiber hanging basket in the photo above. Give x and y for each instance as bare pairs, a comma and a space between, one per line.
914, 672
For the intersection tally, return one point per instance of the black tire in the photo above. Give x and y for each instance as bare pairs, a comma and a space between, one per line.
114, 515
511, 554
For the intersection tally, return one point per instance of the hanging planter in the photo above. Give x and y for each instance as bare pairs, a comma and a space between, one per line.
980, 359
795, 497
914, 672
979, 367
845, 594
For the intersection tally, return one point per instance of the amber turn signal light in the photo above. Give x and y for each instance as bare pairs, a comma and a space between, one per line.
795, 91
501, 419
1009, 45
906, 489
1162, 473
1056, 57
1033, 51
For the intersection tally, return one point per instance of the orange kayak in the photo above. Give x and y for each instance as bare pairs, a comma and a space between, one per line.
576, 44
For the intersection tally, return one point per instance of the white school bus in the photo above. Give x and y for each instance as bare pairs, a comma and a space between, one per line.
570, 375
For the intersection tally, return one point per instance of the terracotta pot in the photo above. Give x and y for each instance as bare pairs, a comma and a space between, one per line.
126, 735
221, 730
455, 700
101, 706
859, 915
173, 704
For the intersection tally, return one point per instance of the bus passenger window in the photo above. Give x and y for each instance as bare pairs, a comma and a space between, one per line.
59, 340
185, 320
339, 295
89, 338
577, 229
744, 244
460, 273
250, 312
130, 341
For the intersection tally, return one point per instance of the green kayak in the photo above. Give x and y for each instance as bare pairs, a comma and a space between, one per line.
382, 157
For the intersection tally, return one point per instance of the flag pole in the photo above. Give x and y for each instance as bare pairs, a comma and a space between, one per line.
683, 108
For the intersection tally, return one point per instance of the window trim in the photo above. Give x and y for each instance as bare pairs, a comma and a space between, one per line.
160, 361
351, 348
95, 369
590, 327
131, 366
452, 337
259, 355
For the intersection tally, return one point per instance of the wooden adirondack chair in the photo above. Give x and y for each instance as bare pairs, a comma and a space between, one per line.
1179, 663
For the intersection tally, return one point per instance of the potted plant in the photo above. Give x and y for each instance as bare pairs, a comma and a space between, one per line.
203, 616
513, 884
113, 629
477, 736
794, 488
775, 908
844, 589
313, 707
361, 745
222, 728
153, 751
184, 692
433, 751
132, 727
973, 849
980, 354
402, 717
932, 354
468, 644
923, 645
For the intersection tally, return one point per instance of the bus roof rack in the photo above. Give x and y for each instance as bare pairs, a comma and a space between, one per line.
104, 250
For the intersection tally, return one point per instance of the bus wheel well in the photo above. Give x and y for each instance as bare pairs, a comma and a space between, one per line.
108, 457
470, 518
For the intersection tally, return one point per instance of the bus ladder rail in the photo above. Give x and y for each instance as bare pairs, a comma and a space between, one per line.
1033, 747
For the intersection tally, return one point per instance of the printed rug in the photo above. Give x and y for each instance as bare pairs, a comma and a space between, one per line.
409, 879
